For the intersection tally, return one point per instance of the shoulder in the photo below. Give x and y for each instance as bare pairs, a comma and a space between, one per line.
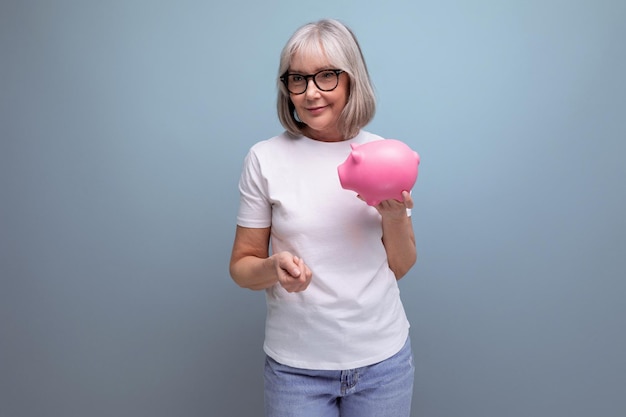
277, 142
365, 136
269, 152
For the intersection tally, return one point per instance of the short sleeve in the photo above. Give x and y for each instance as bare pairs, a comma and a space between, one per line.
255, 209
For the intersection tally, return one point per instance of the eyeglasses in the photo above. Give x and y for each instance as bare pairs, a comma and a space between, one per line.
325, 80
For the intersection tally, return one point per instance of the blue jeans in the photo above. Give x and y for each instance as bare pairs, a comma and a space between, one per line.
384, 389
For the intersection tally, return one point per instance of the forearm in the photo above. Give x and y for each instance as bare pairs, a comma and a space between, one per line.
399, 242
253, 272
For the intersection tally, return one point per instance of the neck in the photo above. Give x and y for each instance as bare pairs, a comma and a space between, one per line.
323, 136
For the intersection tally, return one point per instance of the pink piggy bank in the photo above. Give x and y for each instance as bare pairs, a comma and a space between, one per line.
379, 170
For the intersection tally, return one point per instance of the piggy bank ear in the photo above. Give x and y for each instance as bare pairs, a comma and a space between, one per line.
355, 154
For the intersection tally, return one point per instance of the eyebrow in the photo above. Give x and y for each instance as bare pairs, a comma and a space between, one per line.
291, 71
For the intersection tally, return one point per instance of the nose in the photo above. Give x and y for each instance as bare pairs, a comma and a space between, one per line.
311, 88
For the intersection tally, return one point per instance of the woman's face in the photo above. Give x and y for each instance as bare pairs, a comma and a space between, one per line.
319, 110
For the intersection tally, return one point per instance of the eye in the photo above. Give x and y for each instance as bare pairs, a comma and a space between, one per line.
327, 75
296, 78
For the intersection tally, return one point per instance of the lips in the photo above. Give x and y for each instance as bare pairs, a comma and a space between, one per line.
316, 110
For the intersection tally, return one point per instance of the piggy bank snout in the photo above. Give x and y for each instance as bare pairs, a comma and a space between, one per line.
348, 174
343, 174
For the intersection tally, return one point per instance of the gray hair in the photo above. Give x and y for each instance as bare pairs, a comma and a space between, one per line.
332, 40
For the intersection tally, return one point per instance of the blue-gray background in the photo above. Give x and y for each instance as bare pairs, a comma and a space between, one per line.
123, 128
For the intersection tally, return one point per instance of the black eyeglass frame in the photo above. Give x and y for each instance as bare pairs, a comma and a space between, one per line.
284, 79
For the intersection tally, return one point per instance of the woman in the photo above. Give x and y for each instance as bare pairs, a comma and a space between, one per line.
337, 337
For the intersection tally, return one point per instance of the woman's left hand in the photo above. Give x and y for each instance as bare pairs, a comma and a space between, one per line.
393, 208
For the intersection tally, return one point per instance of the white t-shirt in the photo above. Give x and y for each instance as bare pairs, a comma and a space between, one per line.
351, 314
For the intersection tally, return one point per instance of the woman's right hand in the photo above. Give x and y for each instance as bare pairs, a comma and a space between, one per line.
293, 274
251, 265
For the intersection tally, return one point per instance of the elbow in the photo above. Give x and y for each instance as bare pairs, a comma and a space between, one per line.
400, 269
400, 272
241, 283
236, 276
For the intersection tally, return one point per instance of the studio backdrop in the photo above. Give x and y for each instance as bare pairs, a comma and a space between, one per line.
123, 128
